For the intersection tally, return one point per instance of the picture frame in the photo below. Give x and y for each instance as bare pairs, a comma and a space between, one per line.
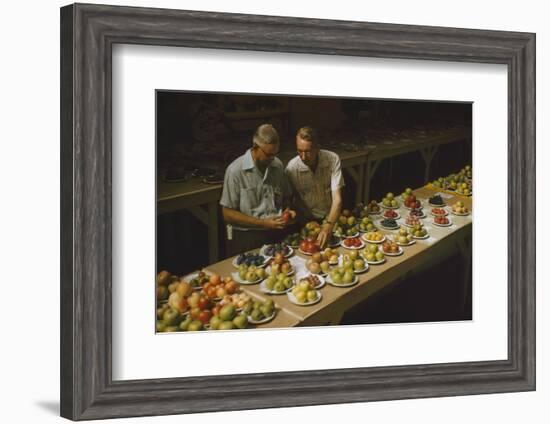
88, 33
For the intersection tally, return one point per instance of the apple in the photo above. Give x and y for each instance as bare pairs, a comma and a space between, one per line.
285, 268
184, 325
311, 295
358, 264
240, 321
162, 293
170, 316
163, 278
250, 276
316, 257
227, 312
279, 287
324, 266
348, 277
215, 322
353, 255
204, 316
379, 256
315, 268
301, 296
260, 273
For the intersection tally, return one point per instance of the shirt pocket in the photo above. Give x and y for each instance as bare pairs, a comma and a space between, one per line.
248, 201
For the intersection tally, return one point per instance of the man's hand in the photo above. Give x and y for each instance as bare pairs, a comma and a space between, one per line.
324, 235
277, 223
289, 216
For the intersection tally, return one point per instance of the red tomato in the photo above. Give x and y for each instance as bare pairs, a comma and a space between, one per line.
203, 303
205, 316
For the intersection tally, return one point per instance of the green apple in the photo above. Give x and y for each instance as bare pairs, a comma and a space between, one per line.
250, 276
226, 325
373, 248
260, 273
311, 295
257, 315
227, 312
266, 310
240, 321
170, 316
379, 255
348, 277
279, 287
371, 257
215, 322
389, 196
287, 282
242, 273
337, 278
324, 267
160, 326
195, 325
301, 296
358, 264
353, 255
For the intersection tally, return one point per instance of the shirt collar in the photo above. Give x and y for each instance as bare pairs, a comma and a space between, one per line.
322, 163
248, 161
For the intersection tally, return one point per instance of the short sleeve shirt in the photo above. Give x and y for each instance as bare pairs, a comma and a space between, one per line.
248, 191
315, 188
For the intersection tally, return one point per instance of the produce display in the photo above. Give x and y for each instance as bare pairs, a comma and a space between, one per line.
459, 209
389, 223
319, 263
373, 208
249, 259
271, 249
353, 243
314, 281
311, 230
207, 301
390, 213
354, 261
366, 224
374, 237
277, 284
304, 294
261, 312
391, 248
419, 232
390, 201
460, 182
342, 276
408, 191
346, 225
293, 240
404, 237
411, 202
280, 265
373, 255
438, 212
309, 246
417, 213
442, 221
411, 221
436, 200
250, 274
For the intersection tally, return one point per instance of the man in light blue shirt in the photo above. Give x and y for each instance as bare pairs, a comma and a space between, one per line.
255, 192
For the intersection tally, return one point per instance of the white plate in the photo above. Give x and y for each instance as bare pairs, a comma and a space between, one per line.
389, 228
262, 321
235, 276
266, 260
421, 238
353, 247
335, 244
373, 241
375, 213
289, 273
420, 216
410, 209
406, 244
360, 271
354, 282
399, 253
408, 225
356, 234
308, 254
389, 207
321, 279
437, 206
439, 214
264, 289
376, 262
460, 214
190, 277
289, 254
443, 225
292, 299
391, 217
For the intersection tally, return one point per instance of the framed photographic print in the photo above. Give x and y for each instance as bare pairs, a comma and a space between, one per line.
259, 197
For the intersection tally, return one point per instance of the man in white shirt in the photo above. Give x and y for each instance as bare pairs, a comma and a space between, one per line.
316, 179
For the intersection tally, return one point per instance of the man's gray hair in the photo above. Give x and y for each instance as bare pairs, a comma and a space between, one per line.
265, 134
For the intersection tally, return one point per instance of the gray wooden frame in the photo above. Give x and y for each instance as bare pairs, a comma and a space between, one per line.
88, 33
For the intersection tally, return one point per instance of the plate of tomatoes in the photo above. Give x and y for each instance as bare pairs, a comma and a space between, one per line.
354, 243
309, 247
